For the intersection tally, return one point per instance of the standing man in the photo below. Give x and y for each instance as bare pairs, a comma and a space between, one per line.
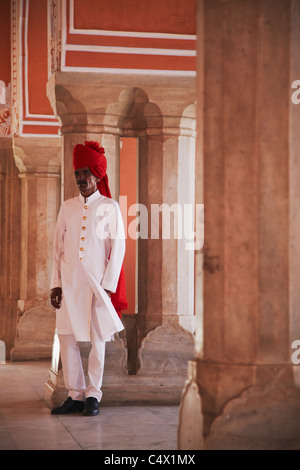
87, 286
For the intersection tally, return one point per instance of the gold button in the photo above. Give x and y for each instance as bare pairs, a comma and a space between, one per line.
85, 207
80, 259
82, 238
84, 217
83, 228
81, 249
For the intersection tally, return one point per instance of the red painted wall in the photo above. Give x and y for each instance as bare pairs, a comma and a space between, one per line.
5, 69
38, 58
162, 16
154, 25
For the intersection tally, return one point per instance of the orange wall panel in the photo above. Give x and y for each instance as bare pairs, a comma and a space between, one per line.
5, 41
129, 61
38, 58
132, 34
158, 16
37, 129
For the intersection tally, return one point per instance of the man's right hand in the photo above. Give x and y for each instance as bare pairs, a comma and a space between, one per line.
55, 297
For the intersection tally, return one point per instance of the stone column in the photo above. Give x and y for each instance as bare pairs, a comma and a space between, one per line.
165, 340
10, 231
247, 146
38, 161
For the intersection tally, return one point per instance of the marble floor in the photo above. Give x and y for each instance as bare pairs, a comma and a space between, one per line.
26, 422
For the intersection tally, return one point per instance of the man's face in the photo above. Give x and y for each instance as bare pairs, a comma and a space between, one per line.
86, 181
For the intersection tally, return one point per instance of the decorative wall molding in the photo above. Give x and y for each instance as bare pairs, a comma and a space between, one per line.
5, 110
31, 124
54, 36
5, 121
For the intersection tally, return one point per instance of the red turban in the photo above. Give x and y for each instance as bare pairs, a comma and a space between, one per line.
91, 155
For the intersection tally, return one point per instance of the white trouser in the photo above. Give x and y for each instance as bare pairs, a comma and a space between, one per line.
72, 365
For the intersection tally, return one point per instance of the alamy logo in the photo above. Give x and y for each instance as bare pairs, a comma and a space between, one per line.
176, 222
296, 94
296, 354
2, 352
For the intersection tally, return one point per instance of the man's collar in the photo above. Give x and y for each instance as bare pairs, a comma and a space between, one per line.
93, 197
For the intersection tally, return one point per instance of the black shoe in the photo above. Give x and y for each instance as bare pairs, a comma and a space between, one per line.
91, 407
69, 406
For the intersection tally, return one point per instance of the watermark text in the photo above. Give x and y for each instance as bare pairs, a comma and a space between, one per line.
158, 221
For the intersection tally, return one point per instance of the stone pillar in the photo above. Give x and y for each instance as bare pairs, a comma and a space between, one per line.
38, 161
186, 200
10, 231
165, 264
247, 146
294, 194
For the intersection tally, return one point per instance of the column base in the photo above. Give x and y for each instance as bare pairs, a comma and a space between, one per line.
33, 343
241, 407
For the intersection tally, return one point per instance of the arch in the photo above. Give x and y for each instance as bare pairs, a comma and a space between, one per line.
133, 115
188, 120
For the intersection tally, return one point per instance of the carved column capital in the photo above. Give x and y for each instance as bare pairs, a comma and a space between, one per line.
37, 156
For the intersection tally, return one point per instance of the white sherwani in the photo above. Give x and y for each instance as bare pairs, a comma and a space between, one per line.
89, 247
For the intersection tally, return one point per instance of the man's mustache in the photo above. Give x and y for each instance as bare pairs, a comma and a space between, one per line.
80, 182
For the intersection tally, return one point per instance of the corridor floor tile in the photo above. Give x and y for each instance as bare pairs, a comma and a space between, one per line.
26, 422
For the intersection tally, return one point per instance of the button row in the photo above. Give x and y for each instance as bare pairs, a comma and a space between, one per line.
83, 228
